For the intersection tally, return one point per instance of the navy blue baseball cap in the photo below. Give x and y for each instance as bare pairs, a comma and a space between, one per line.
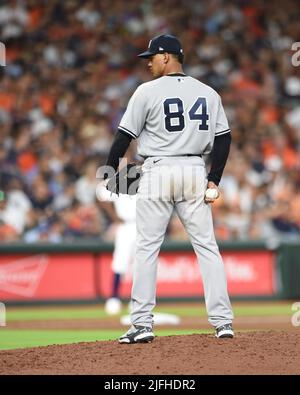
161, 44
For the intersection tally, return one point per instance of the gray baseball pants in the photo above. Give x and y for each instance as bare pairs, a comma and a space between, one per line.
167, 184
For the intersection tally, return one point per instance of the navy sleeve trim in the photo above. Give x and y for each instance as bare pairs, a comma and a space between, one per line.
127, 131
118, 149
223, 132
219, 157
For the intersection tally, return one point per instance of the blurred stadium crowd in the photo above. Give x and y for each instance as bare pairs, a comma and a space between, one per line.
71, 68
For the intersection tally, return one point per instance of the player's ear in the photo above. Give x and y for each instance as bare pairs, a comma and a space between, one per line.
166, 57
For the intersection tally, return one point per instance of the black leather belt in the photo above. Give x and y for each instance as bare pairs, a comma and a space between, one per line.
171, 156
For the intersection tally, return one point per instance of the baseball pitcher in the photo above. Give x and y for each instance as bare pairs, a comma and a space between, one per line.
176, 120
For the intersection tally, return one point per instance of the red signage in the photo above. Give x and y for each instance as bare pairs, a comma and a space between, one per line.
82, 276
248, 273
46, 277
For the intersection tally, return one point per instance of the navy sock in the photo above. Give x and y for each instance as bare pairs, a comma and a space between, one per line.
116, 285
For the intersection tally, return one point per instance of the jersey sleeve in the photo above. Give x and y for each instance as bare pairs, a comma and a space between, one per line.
134, 117
222, 126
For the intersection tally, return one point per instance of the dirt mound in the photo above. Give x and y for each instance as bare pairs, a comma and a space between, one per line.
268, 352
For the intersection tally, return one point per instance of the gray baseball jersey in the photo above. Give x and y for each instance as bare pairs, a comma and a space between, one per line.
174, 115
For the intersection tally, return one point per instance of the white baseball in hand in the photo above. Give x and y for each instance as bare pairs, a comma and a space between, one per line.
211, 193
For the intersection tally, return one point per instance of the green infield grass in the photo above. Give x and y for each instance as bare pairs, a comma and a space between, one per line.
19, 338
22, 338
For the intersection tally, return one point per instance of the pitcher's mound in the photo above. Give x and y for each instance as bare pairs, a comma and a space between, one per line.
248, 353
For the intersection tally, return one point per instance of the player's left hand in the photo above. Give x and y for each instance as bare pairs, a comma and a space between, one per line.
103, 195
126, 180
212, 192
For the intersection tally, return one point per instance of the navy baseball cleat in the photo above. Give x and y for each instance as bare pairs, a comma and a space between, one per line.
137, 334
225, 331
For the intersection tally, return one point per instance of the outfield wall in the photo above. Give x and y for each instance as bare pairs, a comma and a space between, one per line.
82, 272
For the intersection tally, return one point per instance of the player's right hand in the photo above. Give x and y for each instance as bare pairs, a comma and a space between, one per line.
211, 186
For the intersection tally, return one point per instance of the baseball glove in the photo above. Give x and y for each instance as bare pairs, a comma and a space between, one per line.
126, 180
